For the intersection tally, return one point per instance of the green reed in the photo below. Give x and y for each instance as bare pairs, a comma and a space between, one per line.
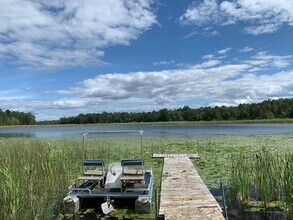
34, 176
263, 175
35, 173
288, 183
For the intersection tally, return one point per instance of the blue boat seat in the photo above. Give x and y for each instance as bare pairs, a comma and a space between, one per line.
93, 162
132, 162
132, 170
93, 170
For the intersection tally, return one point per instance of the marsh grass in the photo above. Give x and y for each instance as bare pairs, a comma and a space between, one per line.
263, 177
35, 173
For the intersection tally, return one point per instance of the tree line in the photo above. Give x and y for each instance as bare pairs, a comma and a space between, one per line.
16, 118
269, 109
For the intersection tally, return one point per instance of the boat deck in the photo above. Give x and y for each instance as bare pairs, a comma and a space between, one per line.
91, 187
184, 194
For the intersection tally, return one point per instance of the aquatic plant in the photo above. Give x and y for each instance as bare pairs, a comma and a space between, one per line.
263, 175
35, 173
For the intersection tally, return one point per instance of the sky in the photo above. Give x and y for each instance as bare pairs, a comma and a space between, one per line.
60, 58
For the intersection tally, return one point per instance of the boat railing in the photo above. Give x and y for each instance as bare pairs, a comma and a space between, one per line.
80, 190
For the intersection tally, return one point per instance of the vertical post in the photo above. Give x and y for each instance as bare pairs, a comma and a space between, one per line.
83, 144
224, 201
156, 204
83, 150
141, 149
198, 147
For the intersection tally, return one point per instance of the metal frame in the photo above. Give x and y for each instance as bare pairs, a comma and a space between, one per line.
110, 132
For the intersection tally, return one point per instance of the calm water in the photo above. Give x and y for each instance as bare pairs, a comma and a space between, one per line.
154, 131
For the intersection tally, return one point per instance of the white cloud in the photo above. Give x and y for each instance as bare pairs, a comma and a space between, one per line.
206, 32
163, 62
246, 49
208, 56
210, 79
205, 12
260, 16
54, 34
217, 81
263, 59
263, 29
224, 51
208, 64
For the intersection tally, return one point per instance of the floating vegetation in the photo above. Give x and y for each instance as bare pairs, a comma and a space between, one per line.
257, 171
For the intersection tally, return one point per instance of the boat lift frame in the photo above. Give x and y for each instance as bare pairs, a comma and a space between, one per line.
112, 132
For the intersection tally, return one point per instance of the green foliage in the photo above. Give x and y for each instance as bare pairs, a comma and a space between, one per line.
270, 109
16, 118
35, 173
264, 176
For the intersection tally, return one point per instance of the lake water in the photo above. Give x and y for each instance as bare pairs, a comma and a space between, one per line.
186, 131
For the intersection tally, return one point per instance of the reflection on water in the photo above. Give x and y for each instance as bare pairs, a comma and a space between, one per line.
16, 135
161, 131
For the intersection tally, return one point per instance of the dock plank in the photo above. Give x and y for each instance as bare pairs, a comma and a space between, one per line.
184, 194
175, 156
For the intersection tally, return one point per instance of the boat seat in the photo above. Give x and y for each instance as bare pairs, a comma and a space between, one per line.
132, 162
95, 172
128, 171
96, 178
132, 170
132, 178
96, 163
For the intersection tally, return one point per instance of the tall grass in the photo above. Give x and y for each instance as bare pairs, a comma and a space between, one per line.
288, 184
35, 173
264, 176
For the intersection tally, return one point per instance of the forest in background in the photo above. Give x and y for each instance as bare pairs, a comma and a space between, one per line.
269, 109
16, 118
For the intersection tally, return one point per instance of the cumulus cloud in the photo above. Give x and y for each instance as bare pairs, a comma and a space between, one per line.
246, 49
205, 32
263, 59
211, 79
216, 81
54, 34
163, 62
208, 56
224, 51
260, 16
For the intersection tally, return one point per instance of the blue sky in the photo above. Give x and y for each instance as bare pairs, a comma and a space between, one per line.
68, 57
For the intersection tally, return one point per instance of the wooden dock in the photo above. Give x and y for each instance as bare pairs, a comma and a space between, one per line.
183, 193
175, 155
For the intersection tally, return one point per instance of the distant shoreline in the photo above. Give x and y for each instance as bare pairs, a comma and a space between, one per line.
168, 123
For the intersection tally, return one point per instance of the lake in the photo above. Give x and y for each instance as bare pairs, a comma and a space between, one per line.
186, 131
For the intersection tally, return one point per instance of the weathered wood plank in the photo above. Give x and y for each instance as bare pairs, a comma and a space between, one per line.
175, 156
184, 194
97, 178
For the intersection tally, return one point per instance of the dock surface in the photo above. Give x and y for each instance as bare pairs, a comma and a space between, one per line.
184, 194
175, 155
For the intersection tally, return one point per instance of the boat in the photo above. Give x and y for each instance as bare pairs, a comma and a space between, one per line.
126, 181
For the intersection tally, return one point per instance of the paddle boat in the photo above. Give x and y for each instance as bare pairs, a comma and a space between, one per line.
125, 182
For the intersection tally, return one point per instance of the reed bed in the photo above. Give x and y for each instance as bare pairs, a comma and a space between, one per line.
35, 173
264, 178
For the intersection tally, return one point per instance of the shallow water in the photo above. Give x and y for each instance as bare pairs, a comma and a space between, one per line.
237, 213
186, 131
